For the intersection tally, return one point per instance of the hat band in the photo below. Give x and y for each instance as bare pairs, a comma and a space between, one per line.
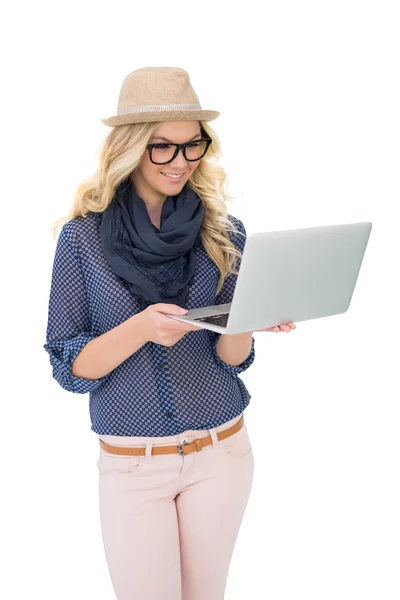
155, 107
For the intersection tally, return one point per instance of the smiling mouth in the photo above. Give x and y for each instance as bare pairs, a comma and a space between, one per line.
173, 178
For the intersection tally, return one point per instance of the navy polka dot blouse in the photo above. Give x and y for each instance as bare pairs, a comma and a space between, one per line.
158, 390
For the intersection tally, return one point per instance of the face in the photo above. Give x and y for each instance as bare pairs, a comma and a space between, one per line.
149, 180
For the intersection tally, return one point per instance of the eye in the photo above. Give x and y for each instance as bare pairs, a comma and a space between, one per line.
194, 144
161, 146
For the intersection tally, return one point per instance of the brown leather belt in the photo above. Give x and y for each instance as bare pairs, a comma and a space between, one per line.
184, 448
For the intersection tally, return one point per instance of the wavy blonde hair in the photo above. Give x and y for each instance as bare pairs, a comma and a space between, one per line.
121, 154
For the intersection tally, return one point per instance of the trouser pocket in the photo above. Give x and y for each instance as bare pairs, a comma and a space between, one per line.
116, 463
238, 444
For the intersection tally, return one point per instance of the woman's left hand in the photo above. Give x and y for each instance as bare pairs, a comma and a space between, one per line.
286, 328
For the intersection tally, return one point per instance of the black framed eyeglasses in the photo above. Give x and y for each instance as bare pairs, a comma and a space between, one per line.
164, 153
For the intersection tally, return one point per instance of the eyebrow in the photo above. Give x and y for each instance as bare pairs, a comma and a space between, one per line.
159, 137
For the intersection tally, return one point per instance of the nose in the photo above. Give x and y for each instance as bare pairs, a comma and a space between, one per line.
179, 161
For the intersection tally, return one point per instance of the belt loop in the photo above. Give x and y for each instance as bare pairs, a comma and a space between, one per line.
149, 445
214, 438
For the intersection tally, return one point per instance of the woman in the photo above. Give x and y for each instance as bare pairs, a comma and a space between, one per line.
149, 235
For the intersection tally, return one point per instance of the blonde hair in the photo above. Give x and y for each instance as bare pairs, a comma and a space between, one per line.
121, 154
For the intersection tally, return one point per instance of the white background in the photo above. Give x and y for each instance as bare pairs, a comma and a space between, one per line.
309, 100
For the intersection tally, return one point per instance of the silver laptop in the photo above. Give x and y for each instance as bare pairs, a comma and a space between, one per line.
290, 276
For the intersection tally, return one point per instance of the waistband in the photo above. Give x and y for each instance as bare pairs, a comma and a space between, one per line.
131, 440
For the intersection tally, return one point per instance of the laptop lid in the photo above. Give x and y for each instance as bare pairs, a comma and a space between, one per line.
296, 275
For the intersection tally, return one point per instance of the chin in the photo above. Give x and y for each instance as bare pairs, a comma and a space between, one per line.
174, 186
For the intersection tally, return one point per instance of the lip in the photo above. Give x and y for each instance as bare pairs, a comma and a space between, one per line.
171, 179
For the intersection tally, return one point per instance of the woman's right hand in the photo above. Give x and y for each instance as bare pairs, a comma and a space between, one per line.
157, 327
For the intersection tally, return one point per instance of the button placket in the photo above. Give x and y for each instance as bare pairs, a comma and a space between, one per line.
162, 381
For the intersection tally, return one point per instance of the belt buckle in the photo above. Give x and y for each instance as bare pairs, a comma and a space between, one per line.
180, 449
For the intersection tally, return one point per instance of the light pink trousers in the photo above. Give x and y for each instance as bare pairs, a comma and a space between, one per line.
170, 522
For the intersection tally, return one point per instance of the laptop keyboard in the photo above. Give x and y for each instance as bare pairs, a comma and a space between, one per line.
220, 319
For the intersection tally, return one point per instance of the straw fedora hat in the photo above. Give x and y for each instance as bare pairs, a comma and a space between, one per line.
158, 94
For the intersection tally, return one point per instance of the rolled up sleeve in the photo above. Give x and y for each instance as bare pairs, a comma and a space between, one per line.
68, 325
225, 295
233, 369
